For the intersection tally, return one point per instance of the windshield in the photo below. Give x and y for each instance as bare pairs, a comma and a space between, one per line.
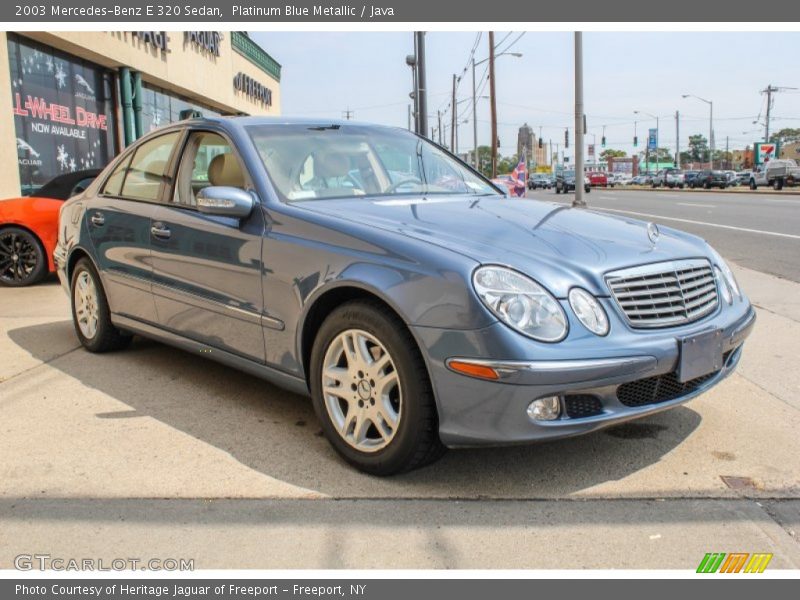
308, 162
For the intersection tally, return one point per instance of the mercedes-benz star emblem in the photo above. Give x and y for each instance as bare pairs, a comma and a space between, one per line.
652, 232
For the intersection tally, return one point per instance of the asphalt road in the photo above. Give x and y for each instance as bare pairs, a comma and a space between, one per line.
757, 231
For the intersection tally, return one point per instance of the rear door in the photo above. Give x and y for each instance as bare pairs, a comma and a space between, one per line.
207, 269
118, 221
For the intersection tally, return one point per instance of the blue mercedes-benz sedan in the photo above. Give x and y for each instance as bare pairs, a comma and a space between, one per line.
416, 304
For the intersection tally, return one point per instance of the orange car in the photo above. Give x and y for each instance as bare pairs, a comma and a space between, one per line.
29, 229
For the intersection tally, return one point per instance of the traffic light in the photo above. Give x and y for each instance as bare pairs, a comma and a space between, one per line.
603, 141
566, 138
540, 143
635, 141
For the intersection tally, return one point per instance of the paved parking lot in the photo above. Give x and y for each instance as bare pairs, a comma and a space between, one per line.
157, 452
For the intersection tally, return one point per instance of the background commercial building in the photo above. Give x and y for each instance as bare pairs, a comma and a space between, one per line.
74, 99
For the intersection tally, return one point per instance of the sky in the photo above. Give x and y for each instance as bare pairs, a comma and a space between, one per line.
325, 74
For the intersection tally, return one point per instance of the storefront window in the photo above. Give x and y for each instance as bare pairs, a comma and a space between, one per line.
63, 113
160, 108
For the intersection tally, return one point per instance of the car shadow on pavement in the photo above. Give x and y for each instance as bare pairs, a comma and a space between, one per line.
276, 432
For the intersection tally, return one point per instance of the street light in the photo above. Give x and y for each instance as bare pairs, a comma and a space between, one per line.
474, 108
647, 151
710, 125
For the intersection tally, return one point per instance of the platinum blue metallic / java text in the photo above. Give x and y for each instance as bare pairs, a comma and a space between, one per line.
417, 305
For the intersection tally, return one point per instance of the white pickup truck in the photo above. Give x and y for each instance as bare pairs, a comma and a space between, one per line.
778, 172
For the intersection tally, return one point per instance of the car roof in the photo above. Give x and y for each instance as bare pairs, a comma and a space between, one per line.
246, 120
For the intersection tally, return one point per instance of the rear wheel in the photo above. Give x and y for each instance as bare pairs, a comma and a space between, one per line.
371, 391
90, 313
22, 258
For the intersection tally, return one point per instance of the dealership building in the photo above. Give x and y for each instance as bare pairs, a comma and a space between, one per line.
73, 100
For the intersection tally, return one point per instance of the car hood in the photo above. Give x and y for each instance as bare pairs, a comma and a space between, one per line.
559, 246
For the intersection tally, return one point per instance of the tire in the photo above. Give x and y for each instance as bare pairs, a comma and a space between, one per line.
22, 258
97, 333
383, 447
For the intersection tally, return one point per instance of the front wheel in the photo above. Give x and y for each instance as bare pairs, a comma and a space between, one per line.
90, 313
371, 391
22, 258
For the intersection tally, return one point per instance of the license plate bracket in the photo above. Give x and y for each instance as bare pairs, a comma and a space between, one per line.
700, 354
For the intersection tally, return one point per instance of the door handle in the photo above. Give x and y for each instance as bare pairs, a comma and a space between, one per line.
98, 219
160, 231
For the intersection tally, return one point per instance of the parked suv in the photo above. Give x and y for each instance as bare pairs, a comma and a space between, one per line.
669, 178
565, 182
708, 179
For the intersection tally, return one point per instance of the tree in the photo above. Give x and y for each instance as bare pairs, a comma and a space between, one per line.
698, 148
611, 153
787, 135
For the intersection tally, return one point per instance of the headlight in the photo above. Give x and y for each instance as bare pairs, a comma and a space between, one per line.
520, 303
589, 311
727, 294
729, 278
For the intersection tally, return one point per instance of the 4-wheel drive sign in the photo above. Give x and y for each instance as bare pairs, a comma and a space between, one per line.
765, 152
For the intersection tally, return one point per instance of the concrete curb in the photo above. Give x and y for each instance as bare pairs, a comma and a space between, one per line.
765, 191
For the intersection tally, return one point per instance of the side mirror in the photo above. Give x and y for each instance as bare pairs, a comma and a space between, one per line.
225, 201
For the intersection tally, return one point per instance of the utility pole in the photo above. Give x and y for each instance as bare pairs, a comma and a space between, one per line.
493, 103
769, 107
422, 92
771, 89
453, 117
347, 114
711, 134
439, 116
727, 160
677, 139
474, 121
579, 202
409, 117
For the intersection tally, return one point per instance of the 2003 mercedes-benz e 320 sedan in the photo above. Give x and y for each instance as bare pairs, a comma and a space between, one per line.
417, 305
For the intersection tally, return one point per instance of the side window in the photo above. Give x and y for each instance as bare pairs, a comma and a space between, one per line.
147, 170
208, 159
113, 185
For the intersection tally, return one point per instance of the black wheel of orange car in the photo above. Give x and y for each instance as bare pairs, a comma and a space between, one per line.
90, 312
371, 391
22, 258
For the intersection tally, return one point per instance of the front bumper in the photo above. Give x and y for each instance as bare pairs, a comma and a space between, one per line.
475, 412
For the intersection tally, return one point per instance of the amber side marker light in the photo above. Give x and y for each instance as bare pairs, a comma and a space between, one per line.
473, 370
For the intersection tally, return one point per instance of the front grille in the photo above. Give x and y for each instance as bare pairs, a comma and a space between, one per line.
582, 405
665, 294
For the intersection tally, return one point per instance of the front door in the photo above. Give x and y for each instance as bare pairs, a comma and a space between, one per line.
207, 269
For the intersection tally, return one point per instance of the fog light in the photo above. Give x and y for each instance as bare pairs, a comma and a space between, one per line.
545, 409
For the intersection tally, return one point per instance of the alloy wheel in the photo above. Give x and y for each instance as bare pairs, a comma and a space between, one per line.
86, 310
18, 257
361, 390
